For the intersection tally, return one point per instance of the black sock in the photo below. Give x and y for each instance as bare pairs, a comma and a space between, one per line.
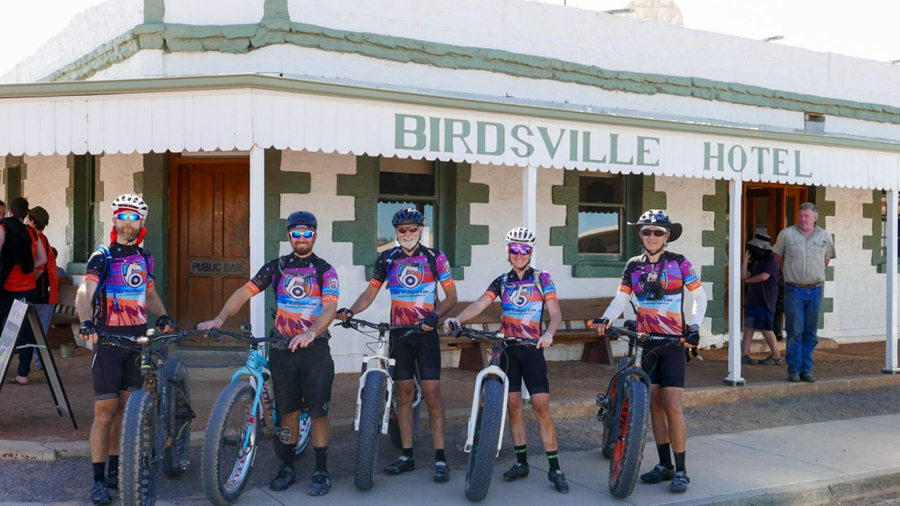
522, 454
679, 461
407, 452
553, 459
98, 471
321, 459
665, 454
287, 456
112, 466
439, 455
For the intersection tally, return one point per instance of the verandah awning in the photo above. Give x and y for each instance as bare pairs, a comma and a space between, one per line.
237, 112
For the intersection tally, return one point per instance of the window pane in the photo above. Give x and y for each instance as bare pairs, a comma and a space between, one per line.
386, 238
599, 229
406, 177
601, 188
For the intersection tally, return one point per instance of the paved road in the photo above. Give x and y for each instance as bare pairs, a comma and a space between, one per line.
69, 479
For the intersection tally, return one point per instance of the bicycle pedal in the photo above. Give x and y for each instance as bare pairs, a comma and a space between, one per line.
184, 465
601, 399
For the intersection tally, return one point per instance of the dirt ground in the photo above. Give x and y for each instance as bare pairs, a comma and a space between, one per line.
28, 412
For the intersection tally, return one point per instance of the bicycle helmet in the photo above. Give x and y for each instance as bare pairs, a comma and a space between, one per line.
520, 234
130, 202
409, 216
302, 219
658, 218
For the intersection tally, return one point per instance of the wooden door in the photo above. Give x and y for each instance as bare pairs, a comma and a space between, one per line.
211, 252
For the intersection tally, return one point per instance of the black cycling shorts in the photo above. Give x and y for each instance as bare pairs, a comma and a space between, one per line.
115, 369
420, 348
525, 363
303, 378
666, 365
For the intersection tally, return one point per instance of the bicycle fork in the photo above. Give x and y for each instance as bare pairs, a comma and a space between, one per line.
492, 370
389, 384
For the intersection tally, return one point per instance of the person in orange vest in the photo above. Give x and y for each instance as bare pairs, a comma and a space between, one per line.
48, 284
22, 257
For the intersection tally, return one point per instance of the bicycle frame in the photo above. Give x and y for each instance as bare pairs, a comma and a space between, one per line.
257, 365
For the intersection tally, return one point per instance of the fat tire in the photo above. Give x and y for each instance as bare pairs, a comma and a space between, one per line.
137, 477
211, 460
606, 439
176, 430
629, 448
371, 414
480, 468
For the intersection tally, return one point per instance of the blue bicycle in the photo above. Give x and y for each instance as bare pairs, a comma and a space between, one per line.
244, 413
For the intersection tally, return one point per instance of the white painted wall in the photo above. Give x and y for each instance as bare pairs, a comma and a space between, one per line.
219, 12
87, 31
117, 174
45, 186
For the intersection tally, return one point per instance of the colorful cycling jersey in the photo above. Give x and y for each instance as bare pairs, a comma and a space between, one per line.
412, 283
522, 302
298, 296
659, 289
122, 299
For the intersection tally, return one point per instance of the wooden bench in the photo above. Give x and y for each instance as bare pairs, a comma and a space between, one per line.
474, 356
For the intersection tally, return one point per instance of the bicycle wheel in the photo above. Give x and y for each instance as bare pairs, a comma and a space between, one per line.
629, 443
486, 440
303, 435
226, 463
178, 419
606, 439
371, 414
137, 481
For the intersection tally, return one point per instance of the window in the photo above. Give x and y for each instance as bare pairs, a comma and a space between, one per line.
84, 207
601, 213
405, 183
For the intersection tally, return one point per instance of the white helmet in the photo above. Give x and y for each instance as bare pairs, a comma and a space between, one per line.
132, 202
520, 234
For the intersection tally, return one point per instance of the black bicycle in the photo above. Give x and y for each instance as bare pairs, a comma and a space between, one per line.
624, 410
374, 402
488, 412
156, 425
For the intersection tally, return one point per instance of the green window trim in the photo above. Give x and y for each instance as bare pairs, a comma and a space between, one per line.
639, 195
84, 194
454, 194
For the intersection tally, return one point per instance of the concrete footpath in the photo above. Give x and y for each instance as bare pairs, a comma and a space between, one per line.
818, 463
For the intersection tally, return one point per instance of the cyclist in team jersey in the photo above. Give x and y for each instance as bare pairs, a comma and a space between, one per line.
306, 295
114, 296
657, 279
413, 272
523, 293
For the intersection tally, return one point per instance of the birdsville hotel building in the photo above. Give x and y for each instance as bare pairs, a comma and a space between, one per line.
485, 114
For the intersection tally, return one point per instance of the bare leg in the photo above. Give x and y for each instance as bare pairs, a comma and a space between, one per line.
517, 418
431, 391
321, 432
674, 411
116, 430
292, 421
405, 391
748, 337
772, 342
541, 405
658, 416
104, 417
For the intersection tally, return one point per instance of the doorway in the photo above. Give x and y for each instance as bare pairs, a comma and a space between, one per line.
770, 208
209, 238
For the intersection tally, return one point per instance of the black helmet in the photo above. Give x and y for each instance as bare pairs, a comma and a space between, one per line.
658, 218
302, 219
409, 216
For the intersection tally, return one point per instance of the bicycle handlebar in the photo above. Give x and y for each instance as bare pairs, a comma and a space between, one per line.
355, 323
639, 337
277, 342
458, 331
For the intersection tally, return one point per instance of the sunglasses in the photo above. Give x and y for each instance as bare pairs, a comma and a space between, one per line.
128, 216
657, 233
306, 234
412, 229
520, 249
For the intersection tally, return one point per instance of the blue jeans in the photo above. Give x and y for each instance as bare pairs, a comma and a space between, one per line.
801, 313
